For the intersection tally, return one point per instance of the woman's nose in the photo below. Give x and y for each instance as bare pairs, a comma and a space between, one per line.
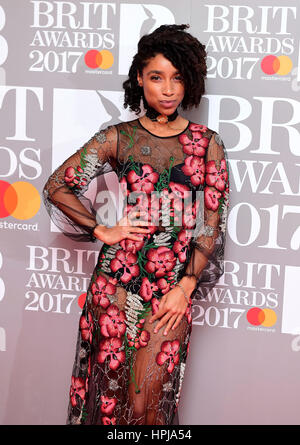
167, 88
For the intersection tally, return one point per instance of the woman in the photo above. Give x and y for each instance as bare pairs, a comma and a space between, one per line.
167, 249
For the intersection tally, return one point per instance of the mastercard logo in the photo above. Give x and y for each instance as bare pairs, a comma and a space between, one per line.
281, 65
81, 300
19, 199
99, 59
264, 317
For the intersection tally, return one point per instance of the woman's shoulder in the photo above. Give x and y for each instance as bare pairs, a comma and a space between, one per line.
205, 131
202, 128
129, 123
111, 127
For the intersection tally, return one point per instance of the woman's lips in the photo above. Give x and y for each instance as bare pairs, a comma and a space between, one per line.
167, 103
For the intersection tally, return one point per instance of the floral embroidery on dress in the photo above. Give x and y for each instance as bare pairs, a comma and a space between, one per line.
119, 359
112, 322
108, 405
111, 348
86, 327
77, 389
169, 354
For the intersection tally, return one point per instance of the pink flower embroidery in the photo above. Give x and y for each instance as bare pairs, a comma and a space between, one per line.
178, 207
110, 347
169, 353
155, 305
108, 420
179, 190
112, 323
190, 215
141, 339
195, 146
161, 260
100, 289
181, 245
126, 261
69, 175
198, 127
145, 182
216, 177
132, 245
195, 168
72, 178
147, 289
163, 285
77, 388
86, 327
149, 205
211, 198
108, 405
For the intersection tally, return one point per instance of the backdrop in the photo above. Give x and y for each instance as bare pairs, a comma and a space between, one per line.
62, 64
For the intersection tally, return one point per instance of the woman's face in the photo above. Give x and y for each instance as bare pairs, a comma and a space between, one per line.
163, 85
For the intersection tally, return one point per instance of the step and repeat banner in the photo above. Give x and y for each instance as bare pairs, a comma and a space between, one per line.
62, 65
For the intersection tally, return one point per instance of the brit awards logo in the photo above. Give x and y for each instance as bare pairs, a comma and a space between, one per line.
245, 40
70, 37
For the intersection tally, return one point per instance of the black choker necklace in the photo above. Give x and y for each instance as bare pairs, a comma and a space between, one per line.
155, 116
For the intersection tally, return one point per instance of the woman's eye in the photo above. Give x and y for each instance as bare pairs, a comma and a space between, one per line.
154, 77
179, 78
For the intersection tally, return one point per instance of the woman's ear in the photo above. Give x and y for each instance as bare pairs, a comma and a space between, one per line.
140, 80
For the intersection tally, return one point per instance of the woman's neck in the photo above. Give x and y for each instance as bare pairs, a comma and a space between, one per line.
167, 129
161, 118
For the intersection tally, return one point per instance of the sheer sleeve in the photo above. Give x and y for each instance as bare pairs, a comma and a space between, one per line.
64, 192
206, 257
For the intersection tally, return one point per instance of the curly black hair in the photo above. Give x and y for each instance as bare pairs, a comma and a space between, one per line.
183, 50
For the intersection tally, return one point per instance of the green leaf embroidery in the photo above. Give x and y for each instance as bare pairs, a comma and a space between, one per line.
131, 137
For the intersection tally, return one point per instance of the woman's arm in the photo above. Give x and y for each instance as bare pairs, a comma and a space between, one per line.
205, 265
64, 190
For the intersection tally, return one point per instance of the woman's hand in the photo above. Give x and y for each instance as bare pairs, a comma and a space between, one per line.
172, 308
125, 228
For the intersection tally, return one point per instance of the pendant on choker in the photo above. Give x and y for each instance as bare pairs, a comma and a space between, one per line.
154, 116
162, 119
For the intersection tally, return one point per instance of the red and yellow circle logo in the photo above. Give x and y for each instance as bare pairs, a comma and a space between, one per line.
261, 317
81, 300
19, 199
281, 65
99, 59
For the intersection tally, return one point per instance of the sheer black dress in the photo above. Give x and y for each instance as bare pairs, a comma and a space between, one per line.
124, 373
